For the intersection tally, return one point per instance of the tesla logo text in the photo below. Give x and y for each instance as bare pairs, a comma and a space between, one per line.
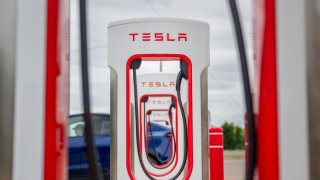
159, 114
159, 102
159, 37
158, 84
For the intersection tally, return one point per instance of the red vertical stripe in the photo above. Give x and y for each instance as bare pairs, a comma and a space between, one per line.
268, 162
56, 99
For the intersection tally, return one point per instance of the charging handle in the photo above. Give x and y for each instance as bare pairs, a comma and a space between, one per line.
184, 69
135, 64
182, 74
145, 99
172, 105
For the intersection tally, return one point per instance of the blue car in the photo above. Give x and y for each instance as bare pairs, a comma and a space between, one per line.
78, 164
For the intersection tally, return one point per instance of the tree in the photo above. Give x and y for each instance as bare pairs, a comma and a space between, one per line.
233, 136
239, 138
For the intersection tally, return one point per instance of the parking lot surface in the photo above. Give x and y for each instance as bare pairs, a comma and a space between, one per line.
234, 165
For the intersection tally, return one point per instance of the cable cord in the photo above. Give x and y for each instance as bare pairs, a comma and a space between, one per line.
137, 129
145, 138
152, 139
247, 90
179, 79
173, 135
94, 171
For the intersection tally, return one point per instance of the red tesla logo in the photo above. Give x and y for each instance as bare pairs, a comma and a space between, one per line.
159, 37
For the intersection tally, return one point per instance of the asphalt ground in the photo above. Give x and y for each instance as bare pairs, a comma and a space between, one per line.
234, 165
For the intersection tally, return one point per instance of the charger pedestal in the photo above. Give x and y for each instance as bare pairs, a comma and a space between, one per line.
158, 39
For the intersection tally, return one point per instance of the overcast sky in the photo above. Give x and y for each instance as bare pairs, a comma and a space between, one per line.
226, 101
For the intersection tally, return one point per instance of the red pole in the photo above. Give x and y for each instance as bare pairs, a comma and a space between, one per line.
216, 153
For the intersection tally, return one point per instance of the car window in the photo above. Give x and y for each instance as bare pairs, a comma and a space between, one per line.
157, 127
101, 125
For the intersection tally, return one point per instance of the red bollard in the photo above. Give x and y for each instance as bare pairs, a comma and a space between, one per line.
216, 153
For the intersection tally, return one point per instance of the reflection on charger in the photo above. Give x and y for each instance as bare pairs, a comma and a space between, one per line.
168, 158
163, 150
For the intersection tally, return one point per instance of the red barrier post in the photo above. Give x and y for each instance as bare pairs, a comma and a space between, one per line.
216, 153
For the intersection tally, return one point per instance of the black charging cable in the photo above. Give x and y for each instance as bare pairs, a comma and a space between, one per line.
152, 139
173, 105
144, 101
94, 171
247, 91
182, 74
134, 66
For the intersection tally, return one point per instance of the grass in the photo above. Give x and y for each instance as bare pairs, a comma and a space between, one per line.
234, 154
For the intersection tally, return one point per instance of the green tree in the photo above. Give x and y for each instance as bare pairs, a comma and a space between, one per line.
239, 138
233, 136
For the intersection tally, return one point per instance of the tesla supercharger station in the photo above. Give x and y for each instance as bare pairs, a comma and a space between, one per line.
157, 91
133, 43
34, 87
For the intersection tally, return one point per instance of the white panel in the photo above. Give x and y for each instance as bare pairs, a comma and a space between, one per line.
292, 91
29, 94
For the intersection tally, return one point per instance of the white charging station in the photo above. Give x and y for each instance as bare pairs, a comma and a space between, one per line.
158, 39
